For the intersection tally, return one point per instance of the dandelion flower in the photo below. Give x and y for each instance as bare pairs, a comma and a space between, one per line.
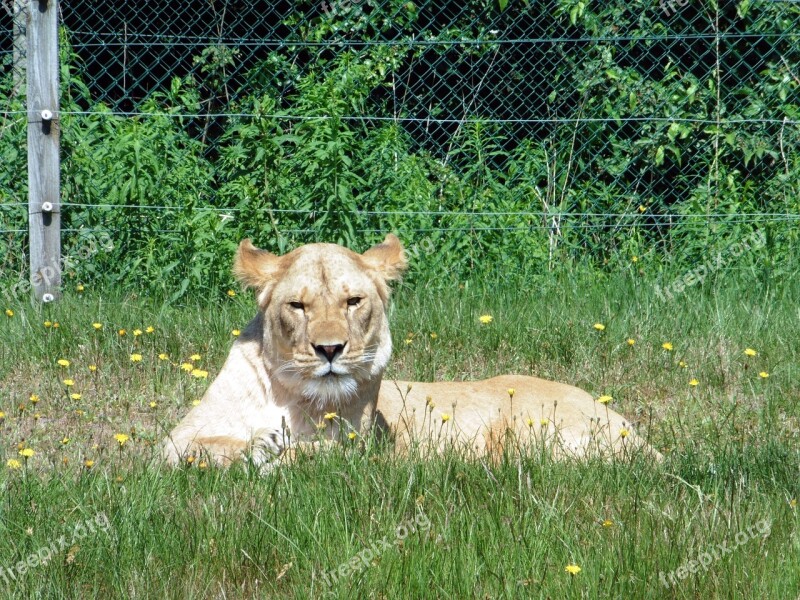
69, 382
434, 335
153, 404
64, 440
88, 464
97, 326
48, 323
445, 417
93, 368
63, 362
188, 367
199, 373
79, 288
2, 415
605, 399
351, 435
511, 392
231, 293
27, 452
194, 357
529, 422
137, 332
122, 332
9, 313
486, 319
693, 382
750, 352
544, 422
667, 346
189, 460
631, 341
195, 402
634, 258
75, 396
121, 438
56, 325
599, 327
623, 433
236, 333
13, 463
202, 464
34, 398
150, 329
572, 569
136, 358
163, 356
408, 341
763, 374
793, 503
330, 416
608, 523
682, 364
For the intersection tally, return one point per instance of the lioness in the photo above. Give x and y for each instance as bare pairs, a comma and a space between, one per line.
310, 365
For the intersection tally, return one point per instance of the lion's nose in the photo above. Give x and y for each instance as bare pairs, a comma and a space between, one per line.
329, 351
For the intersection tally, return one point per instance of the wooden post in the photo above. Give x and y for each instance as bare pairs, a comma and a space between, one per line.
44, 129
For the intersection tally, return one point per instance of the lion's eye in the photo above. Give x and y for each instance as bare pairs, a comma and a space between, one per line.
297, 305
354, 301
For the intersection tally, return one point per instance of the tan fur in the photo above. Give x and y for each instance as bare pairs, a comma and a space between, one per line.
320, 343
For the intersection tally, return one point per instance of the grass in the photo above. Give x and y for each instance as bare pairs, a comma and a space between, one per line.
726, 494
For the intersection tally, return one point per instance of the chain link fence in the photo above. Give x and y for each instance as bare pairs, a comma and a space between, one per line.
613, 130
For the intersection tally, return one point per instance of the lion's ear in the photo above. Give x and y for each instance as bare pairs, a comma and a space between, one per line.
254, 267
388, 258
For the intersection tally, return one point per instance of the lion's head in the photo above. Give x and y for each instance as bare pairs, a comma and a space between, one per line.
323, 313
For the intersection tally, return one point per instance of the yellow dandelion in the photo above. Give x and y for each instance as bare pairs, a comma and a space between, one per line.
48, 323
236, 333
88, 463
63, 362
572, 569
631, 341
599, 327
231, 293
486, 319
529, 422
693, 382
79, 288
199, 373
137, 332
793, 503
136, 358
188, 367
97, 326
623, 433
163, 356
544, 422
195, 402
750, 352
667, 346
2, 415
608, 523
445, 417
202, 464
121, 438
153, 404
150, 329
195, 357
34, 398
511, 392
763, 374
9, 313
69, 382
27, 452
434, 335
13, 463
634, 258
122, 332
93, 368
352, 435
56, 325
64, 440
329, 416
75, 396
408, 341
189, 460
682, 364
605, 399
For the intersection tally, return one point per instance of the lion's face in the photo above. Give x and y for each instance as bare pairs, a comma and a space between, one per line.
324, 315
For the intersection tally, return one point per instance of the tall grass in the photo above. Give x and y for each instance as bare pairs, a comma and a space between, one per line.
493, 530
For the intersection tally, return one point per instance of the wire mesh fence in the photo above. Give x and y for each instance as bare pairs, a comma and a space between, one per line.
496, 131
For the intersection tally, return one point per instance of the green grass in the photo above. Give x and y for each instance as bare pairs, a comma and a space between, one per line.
498, 531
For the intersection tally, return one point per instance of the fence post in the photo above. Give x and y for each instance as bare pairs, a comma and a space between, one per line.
44, 125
